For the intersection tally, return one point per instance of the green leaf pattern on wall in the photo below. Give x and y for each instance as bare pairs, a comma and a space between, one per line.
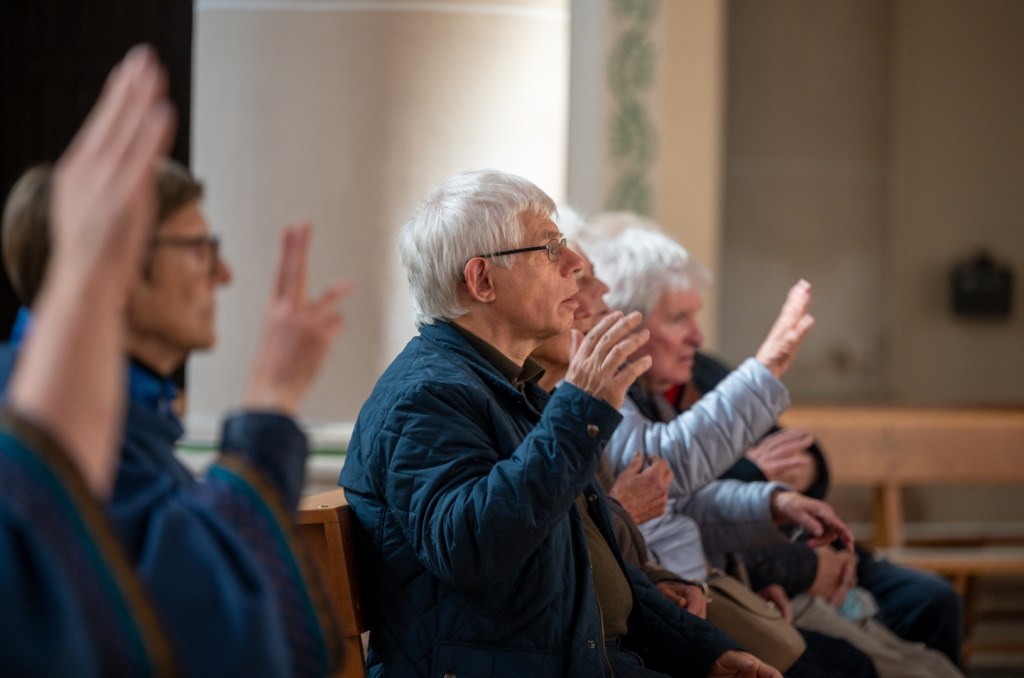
632, 138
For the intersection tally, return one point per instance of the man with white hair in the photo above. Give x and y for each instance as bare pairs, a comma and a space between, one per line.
490, 552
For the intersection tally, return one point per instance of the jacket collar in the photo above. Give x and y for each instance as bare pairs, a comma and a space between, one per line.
449, 337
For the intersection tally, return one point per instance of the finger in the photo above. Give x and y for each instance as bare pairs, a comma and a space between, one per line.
786, 438
620, 330
285, 264
633, 369
149, 91
802, 328
798, 300
783, 450
304, 232
596, 333
152, 140
846, 579
661, 467
831, 530
291, 272
104, 119
786, 609
778, 466
332, 296
620, 352
575, 338
811, 524
635, 465
146, 89
837, 527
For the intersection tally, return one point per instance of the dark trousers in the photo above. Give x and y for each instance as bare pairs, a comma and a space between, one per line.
828, 657
626, 664
916, 606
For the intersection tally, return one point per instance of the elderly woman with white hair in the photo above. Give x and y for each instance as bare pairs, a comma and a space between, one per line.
650, 273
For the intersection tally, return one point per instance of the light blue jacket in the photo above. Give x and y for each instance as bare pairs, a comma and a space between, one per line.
699, 445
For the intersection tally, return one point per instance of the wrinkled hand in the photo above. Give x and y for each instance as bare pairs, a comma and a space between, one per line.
597, 362
687, 596
837, 574
739, 663
790, 328
104, 197
297, 331
816, 517
776, 596
643, 492
781, 453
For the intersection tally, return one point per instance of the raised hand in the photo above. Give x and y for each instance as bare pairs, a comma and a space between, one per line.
788, 332
643, 492
103, 185
816, 517
69, 377
597, 362
297, 331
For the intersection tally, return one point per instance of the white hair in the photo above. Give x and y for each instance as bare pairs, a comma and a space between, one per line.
639, 265
607, 225
470, 214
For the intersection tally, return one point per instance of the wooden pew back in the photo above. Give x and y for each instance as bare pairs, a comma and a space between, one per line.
327, 527
891, 448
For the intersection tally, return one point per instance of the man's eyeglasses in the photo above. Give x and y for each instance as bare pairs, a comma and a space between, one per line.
207, 245
554, 249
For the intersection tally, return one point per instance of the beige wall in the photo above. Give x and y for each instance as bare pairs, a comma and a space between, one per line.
806, 184
870, 145
863, 144
688, 173
958, 178
349, 113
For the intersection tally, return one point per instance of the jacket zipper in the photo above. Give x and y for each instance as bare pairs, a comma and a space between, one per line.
600, 617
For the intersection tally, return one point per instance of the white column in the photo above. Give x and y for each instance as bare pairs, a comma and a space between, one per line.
349, 113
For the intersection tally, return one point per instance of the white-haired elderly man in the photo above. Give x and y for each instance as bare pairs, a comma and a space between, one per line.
649, 272
489, 552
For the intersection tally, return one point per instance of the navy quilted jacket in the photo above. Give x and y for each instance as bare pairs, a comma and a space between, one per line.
476, 556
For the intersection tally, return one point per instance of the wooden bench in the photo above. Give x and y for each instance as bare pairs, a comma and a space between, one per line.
326, 525
890, 449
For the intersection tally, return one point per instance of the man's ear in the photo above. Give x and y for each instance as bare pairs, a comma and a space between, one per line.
479, 283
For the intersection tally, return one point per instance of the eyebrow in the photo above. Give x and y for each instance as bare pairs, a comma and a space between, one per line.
551, 235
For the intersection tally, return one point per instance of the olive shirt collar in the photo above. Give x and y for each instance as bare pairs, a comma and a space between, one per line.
529, 373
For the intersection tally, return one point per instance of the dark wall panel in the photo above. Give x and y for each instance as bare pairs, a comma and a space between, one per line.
54, 58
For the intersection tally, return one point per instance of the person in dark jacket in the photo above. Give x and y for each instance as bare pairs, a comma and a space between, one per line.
220, 558
71, 603
489, 547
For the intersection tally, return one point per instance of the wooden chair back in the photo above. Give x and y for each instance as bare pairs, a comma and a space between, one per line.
327, 526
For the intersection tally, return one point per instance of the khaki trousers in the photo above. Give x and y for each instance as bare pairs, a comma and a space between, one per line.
893, 657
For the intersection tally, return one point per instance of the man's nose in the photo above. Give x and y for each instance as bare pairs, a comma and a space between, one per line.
572, 263
223, 272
